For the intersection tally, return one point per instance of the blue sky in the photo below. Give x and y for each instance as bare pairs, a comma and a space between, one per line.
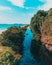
21, 11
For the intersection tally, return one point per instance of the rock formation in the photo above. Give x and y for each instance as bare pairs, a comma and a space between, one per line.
41, 26
11, 45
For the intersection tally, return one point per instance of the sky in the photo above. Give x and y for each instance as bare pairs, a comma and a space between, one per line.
21, 11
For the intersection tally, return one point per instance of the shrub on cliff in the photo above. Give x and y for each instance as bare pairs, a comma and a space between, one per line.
7, 56
13, 37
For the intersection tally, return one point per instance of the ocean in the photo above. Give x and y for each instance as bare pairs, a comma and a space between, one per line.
5, 26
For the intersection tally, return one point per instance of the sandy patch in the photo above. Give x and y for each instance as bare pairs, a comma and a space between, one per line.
2, 31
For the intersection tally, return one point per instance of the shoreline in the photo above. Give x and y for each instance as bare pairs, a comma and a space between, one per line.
2, 31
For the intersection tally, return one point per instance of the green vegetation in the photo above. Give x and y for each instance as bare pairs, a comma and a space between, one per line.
41, 26
36, 22
6, 56
13, 37
11, 45
42, 18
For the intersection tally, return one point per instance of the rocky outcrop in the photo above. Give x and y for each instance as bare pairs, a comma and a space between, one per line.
41, 26
11, 45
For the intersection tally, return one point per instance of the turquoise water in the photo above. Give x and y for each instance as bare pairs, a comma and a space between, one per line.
27, 58
4, 26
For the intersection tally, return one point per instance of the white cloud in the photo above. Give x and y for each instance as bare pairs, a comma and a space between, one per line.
19, 3
47, 5
29, 8
42, 0
4, 8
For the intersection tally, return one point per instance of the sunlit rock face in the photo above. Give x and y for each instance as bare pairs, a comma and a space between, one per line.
41, 26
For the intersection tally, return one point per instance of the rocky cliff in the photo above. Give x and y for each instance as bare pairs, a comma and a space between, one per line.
41, 26
11, 45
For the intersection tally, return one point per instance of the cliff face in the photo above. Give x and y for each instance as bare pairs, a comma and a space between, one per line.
11, 45
41, 26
